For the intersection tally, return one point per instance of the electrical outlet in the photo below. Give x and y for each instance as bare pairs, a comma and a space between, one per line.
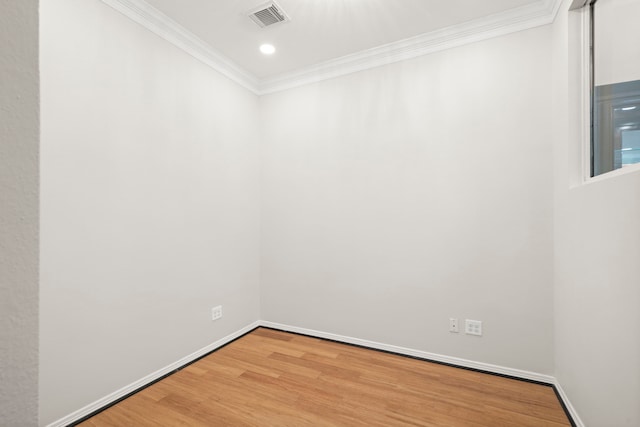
453, 325
473, 327
216, 312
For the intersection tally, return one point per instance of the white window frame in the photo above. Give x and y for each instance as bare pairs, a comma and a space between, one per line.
586, 92
583, 7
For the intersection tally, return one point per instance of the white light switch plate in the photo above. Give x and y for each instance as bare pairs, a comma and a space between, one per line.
473, 327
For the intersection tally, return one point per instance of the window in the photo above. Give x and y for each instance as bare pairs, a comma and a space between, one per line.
616, 126
615, 84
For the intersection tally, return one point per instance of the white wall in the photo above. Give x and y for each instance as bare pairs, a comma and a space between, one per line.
398, 197
150, 207
596, 252
19, 145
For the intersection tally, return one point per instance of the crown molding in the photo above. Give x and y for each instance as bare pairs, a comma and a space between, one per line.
542, 12
159, 23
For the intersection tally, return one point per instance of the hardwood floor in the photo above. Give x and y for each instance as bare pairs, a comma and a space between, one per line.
273, 378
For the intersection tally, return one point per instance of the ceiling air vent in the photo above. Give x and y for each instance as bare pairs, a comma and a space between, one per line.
268, 14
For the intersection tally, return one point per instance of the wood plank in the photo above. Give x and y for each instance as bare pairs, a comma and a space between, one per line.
271, 377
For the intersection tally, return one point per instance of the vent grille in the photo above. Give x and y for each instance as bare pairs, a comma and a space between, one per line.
268, 14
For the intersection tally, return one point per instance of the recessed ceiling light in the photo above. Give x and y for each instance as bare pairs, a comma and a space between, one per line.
267, 49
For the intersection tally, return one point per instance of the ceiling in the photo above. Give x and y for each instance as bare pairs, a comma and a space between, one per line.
321, 30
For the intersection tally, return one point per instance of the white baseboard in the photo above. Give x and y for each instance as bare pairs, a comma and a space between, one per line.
568, 405
417, 353
100, 403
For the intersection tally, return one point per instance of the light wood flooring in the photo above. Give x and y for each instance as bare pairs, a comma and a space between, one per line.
273, 378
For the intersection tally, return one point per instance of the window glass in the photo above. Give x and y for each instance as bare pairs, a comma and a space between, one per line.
616, 79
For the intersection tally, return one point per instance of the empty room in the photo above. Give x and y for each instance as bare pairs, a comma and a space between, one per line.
319, 212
